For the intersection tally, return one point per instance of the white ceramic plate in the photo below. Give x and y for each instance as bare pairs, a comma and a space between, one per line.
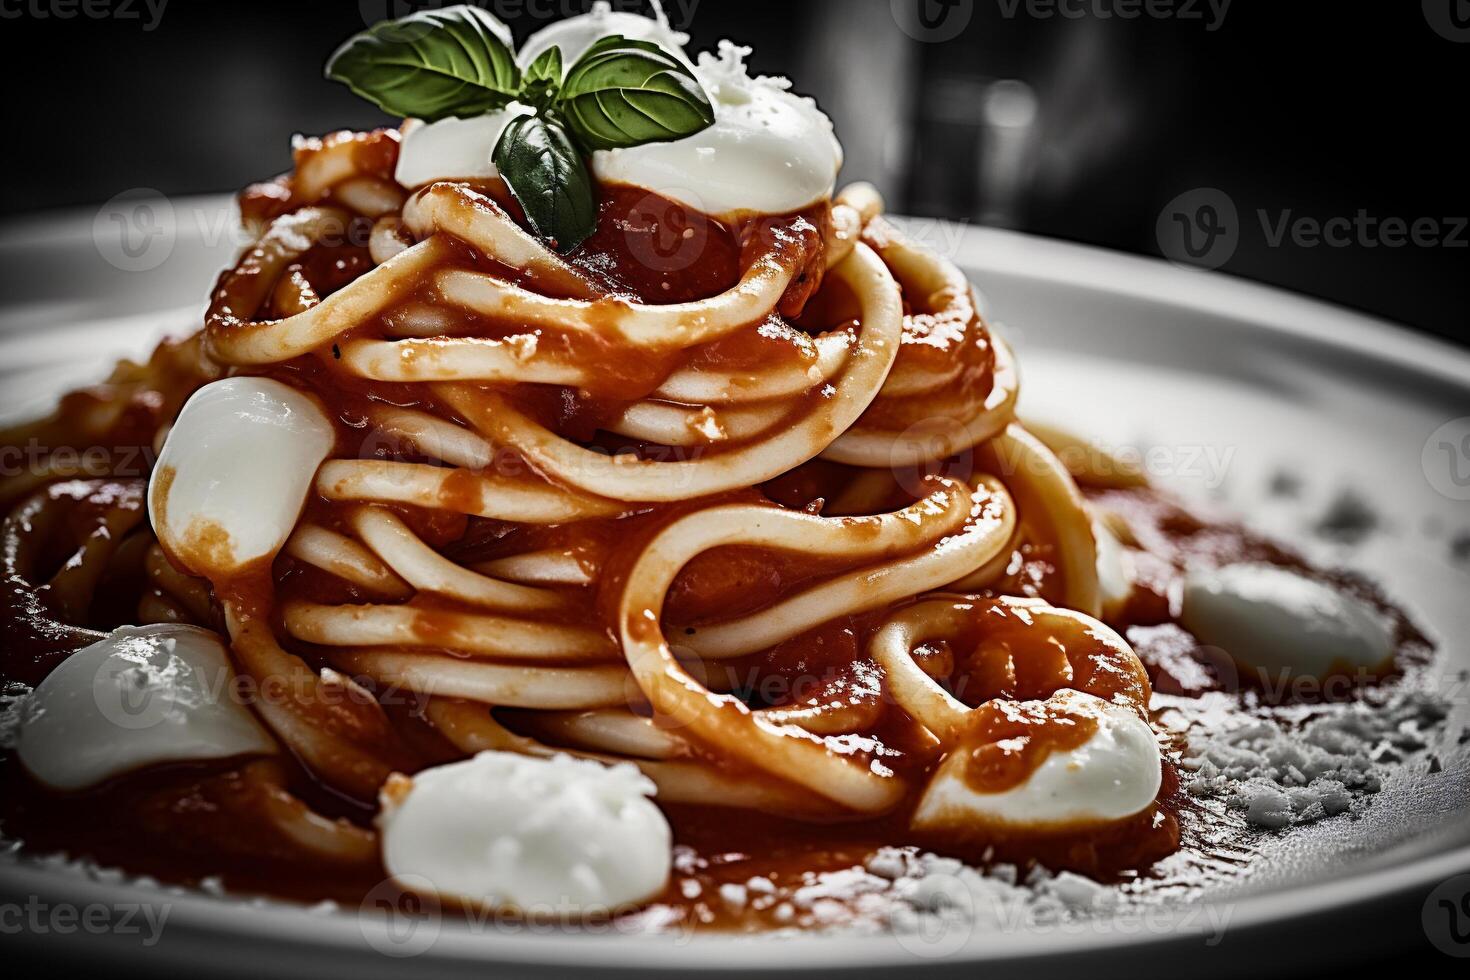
1231, 384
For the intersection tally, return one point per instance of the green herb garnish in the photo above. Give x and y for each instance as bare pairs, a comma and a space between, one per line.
459, 62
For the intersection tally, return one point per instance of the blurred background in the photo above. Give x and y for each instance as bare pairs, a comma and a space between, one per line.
1321, 143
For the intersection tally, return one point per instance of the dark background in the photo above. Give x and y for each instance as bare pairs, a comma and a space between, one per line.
1313, 108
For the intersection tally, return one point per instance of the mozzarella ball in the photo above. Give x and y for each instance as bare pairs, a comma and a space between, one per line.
1274, 621
559, 836
235, 472
141, 697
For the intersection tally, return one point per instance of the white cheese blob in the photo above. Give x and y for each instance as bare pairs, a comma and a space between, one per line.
1275, 621
143, 696
769, 151
234, 473
559, 836
1114, 774
576, 34
452, 149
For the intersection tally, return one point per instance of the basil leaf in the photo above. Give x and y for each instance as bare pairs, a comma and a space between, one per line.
623, 93
542, 81
546, 67
432, 64
548, 178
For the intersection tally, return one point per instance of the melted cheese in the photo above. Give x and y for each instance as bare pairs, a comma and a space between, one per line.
1114, 774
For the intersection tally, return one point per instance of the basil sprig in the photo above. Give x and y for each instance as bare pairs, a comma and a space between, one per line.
459, 62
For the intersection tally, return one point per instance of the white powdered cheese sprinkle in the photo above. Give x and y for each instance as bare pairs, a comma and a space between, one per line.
1277, 774
930, 894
